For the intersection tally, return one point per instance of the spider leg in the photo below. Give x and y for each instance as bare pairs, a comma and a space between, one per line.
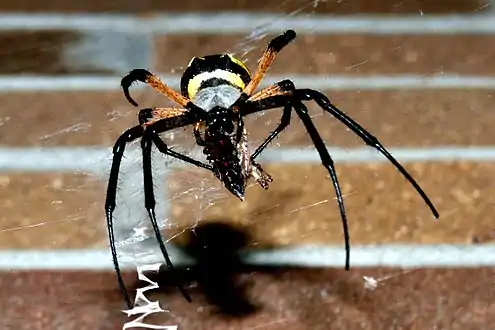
287, 94
130, 135
284, 122
158, 120
259, 102
284, 98
275, 92
163, 148
150, 116
260, 175
273, 48
325, 104
156, 83
118, 151
284, 87
328, 163
150, 202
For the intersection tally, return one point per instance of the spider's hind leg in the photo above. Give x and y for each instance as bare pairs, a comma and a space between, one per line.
324, 103
328, 163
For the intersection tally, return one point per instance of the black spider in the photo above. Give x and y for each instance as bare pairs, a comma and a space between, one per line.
217, 91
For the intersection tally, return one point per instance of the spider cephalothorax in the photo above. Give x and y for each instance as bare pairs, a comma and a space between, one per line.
217, 92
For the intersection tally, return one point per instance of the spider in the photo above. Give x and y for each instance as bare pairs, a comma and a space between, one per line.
217, 92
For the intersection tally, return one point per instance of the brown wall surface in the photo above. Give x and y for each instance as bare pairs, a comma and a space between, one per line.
57, 211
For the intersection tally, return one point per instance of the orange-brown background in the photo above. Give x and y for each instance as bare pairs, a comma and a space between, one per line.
382, 207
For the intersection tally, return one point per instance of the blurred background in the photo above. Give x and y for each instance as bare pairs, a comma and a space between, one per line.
417, 74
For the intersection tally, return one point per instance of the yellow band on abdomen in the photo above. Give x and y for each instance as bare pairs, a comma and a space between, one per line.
195, 82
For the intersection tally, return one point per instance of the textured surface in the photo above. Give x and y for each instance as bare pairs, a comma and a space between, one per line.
382, 207
332, 54
344, 7
65, 211
19, 48
415, 118
57, 211
344, 53
284, 299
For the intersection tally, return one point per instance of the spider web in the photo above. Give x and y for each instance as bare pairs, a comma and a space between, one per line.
135, 237
187, 198
199, 192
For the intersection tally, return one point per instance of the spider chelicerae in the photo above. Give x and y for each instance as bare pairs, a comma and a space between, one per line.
217, 92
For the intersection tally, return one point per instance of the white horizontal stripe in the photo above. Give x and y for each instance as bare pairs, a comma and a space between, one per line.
404, 256
98, 159
238, 22
26, 83
368, 154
